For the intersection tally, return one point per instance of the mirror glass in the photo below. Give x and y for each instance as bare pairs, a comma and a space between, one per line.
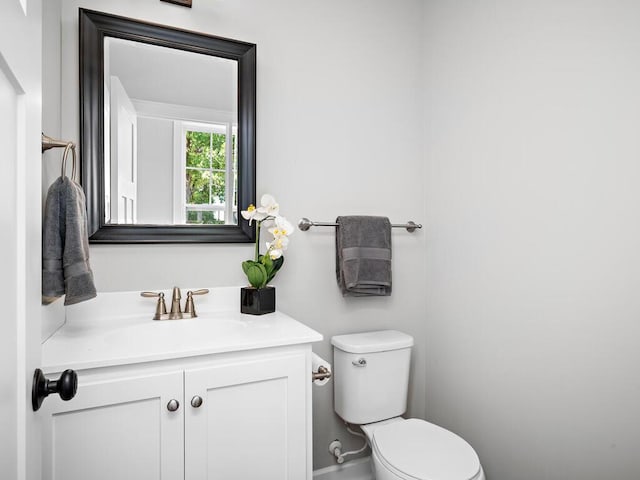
170, 144
167, 132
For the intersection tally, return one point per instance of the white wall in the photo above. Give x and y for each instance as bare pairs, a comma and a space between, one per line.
533, 207
52, 316
339, 132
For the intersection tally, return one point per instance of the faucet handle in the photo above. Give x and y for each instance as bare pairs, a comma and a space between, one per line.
189, 306
201, 291
161, 306
151, 294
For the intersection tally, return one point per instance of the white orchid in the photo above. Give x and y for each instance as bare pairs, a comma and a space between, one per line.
282, 227
263, 268
275, 254
268, 206
252, 213
268, 209
279, 245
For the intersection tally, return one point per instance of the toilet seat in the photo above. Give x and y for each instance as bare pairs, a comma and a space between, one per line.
416, 449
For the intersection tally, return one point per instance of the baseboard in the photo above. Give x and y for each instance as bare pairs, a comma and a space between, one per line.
358, 469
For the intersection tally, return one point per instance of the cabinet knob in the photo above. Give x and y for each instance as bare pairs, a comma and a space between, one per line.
66, 386
196, 401
173, 405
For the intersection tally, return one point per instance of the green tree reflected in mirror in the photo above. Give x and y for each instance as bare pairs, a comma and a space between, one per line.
210, 175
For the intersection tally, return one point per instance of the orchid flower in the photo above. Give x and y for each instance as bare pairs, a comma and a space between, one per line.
282, 227
263, 268
274, 254
268, 206
281, 243
252, 213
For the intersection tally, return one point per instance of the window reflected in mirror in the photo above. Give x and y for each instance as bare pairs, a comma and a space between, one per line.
209, 174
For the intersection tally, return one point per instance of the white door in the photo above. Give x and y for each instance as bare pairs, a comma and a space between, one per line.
116, 428
124, 155
20, 242
252, 422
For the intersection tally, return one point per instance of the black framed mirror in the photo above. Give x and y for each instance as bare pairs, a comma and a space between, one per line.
208, 175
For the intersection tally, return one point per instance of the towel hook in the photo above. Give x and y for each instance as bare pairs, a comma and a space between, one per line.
72, 147
48, 142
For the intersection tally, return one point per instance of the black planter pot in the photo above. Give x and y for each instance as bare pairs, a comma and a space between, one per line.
257, 301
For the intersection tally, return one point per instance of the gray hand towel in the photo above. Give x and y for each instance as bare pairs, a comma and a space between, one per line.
65, 245
363, 256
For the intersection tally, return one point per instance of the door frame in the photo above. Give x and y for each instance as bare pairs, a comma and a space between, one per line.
21, 63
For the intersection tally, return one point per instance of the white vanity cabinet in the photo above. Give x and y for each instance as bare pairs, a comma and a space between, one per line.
239, 417
221, 397
115, 428
252, 422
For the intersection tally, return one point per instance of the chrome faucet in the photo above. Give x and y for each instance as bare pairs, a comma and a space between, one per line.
176, 312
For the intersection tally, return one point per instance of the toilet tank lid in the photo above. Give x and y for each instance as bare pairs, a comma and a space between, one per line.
367, 342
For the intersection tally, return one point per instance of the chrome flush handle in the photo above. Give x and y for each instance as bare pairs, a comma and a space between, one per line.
361, 362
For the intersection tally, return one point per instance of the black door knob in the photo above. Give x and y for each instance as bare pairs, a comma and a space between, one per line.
66, 386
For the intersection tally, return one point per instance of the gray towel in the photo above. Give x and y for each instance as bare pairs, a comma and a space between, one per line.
65, 245
363, 256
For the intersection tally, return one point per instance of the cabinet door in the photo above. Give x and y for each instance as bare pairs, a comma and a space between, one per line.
116, 429
252, 423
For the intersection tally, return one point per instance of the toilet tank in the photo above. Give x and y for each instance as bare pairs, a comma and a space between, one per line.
371, 375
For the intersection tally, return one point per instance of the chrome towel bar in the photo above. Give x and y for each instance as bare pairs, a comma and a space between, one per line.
305, 224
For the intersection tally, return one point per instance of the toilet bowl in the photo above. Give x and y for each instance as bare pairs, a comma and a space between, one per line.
414, 449
371, 379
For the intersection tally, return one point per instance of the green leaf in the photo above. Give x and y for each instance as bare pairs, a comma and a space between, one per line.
266, 261
256, 274
278, 262
276, 266
246, 265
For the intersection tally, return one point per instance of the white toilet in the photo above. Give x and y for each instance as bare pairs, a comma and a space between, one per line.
371, 374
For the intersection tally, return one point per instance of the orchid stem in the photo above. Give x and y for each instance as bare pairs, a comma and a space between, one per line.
258, 240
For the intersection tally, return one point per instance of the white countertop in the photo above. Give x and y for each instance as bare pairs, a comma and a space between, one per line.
117, 328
